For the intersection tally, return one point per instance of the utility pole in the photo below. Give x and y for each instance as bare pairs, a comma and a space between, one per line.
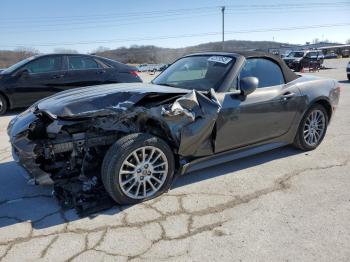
223, 27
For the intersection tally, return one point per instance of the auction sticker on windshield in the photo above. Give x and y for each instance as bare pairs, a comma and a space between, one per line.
220, 59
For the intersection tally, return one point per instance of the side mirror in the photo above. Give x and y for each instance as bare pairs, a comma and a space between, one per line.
248, 85
22, 72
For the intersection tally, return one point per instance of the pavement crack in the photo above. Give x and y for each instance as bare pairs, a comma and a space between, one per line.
9, 247
279, 184
45, 216
102, 238
9, 201
43, 253
86, 245
12, 218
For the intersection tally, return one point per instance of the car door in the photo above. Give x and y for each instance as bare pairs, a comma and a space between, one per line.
266, 113
83, 71
41, 77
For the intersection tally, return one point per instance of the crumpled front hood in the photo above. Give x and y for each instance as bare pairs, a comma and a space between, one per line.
82, 101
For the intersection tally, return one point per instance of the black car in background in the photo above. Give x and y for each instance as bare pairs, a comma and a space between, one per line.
348, 71
331, 55
40, 76
297, 60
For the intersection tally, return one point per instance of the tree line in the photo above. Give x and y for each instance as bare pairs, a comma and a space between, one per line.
146, 54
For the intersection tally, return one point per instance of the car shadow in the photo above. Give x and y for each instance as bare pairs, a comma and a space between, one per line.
20, 202
344, 81
236, 165
14, 112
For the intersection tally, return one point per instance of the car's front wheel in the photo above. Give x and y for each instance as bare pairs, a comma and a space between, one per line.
137, 167
312, 128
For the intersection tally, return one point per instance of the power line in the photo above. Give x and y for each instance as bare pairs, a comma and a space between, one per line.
121, 14
108, 18
169, 11
110, 24
261, 30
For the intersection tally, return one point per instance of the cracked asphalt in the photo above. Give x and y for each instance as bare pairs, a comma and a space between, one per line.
283, 205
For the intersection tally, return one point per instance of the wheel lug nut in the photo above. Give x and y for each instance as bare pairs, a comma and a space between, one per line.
141, 177
138, 170
146, 166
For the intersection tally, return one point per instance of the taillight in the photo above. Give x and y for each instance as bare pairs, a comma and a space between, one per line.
134, 73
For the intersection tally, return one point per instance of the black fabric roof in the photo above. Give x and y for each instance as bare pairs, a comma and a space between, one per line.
289, 75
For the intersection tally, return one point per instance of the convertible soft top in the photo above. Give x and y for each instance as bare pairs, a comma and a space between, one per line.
289, 75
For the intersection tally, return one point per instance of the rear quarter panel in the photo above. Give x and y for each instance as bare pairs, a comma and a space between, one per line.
314, 89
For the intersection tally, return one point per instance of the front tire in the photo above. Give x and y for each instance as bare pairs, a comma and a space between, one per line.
137, 167
312, 129
3, 105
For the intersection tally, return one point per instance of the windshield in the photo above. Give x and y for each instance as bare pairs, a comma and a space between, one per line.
296, 54
196, 72
17, 65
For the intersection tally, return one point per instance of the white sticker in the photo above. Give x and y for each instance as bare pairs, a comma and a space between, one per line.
220, 59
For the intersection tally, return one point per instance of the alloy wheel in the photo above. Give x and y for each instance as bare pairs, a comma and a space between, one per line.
314, 127
143, 172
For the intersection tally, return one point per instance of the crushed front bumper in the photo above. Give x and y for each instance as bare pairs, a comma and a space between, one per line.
27, 160
23, 149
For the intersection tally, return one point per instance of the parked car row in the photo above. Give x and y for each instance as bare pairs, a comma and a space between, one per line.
331, 55
40, 76
297, 60
151, 67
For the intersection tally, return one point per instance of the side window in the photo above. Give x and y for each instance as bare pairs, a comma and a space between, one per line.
268, 72
311, 55
79, 62
45, 65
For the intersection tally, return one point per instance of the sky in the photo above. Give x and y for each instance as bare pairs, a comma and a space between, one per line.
85, 25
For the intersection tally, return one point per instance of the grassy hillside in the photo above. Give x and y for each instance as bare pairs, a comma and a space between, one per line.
151, 54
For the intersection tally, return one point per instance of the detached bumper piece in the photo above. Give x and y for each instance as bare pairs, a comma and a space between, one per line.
23, 152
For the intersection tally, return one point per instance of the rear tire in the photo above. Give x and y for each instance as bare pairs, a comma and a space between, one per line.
312, 128
137, 167
3, 105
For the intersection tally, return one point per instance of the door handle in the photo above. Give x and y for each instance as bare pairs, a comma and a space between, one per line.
101, 72
57, 76
287, 96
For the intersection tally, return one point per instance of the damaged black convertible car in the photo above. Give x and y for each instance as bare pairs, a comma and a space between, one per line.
132, 140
